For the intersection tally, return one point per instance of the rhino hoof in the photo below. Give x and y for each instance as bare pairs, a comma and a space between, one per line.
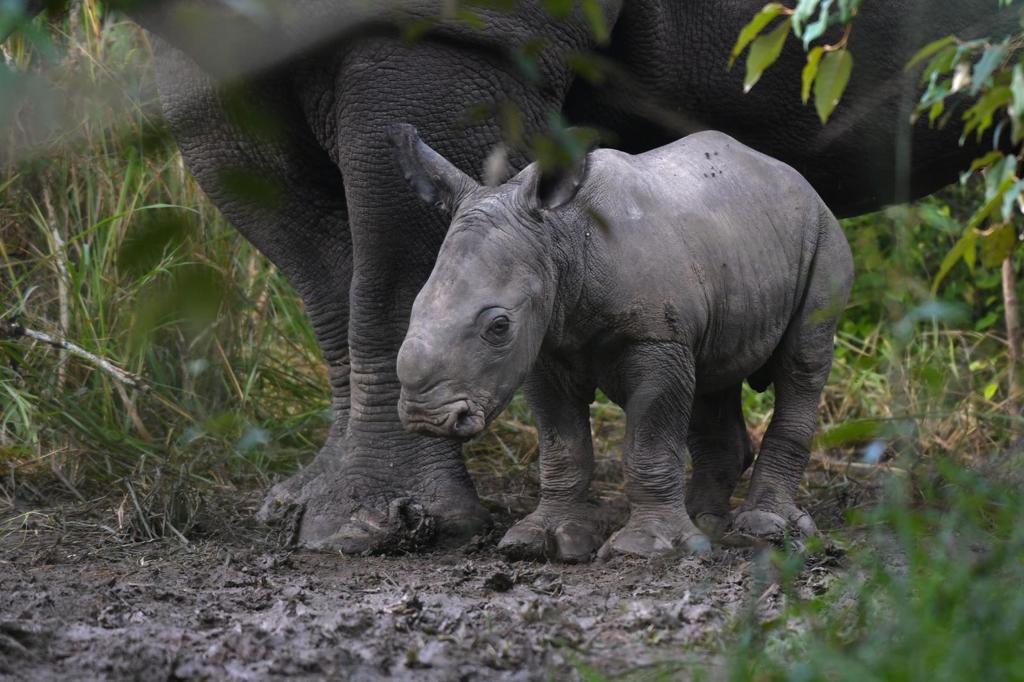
765, 526
650, 540
549, 535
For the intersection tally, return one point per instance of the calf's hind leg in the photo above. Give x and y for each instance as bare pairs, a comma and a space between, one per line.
799, 370
720, 451
770, 510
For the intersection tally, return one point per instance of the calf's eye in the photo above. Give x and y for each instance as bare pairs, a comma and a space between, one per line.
497, 329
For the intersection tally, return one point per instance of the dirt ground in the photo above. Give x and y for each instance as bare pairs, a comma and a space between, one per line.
75, 603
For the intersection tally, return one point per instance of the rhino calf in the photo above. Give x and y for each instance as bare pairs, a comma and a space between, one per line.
665, 279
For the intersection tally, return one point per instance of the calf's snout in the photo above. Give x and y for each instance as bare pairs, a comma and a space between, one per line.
426, 405
416, 366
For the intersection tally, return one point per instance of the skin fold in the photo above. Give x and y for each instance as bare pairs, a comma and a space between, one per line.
327, 80
665, 279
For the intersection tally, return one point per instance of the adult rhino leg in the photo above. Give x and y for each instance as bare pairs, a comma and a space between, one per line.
720, 451
401, 485
565, 525
252, 152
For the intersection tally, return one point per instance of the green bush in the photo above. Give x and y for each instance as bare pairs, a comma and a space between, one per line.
932, 590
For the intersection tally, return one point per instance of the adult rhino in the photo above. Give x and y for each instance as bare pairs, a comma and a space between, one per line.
357, 245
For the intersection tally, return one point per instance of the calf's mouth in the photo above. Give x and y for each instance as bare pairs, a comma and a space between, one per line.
455, 419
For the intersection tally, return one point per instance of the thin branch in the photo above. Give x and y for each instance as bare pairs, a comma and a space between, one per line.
59, 250
13, 330
1012, 338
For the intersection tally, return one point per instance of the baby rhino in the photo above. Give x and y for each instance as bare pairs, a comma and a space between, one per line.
664, 279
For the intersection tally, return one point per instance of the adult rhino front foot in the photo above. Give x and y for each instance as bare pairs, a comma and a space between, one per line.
655, 533
570, 533
772, 524
285, 500
380, 501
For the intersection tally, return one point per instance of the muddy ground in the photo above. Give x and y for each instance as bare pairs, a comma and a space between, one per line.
76, 602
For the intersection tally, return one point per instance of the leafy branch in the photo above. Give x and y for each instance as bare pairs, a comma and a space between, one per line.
985, 76
828, 67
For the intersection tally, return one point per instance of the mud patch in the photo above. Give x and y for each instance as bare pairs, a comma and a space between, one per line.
237, 607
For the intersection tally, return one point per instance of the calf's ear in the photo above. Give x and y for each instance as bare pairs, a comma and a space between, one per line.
434, 178
554, 187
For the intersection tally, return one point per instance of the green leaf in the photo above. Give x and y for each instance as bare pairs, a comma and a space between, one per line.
998, 244
471, 19
997, 176
751, 30
763, 54
986, 322
990, 391
810, 72
559, 9
803, 11
586, 66
986, 160
996, 199
978, 118
941, 63
929, 49
991, 60
594, 12
816, 29
1010, 198
833, 76
857, 431
847, 8
959, 251
1017, 105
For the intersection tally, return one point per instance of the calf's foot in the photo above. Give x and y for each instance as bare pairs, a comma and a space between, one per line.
773, 523
567, 532
654, 533
711, 524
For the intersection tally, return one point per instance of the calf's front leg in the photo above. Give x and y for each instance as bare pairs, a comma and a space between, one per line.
657, 380
564, 527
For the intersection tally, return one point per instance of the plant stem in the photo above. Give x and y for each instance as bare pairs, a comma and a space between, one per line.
1012, 339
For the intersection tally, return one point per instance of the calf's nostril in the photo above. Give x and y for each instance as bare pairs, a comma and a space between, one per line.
466, 424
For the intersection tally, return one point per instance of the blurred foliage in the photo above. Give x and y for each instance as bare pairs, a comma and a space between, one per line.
932, 594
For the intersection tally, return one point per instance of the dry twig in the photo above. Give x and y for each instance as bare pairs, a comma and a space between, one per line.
13, 330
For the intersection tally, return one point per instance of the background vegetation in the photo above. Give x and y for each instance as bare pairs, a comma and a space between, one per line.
106, 241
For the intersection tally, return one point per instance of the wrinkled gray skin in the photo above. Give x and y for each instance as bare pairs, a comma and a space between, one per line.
664, 279
357, 245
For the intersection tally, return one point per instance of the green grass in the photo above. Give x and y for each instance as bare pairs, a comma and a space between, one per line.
109, 233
